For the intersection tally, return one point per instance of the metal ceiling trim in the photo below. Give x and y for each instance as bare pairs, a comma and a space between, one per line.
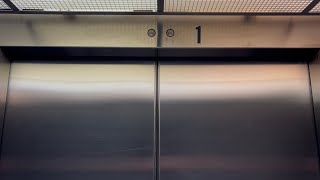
311, 6
11, 5
154, 13
160, 11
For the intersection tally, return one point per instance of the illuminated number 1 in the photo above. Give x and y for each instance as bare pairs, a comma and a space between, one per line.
198, 34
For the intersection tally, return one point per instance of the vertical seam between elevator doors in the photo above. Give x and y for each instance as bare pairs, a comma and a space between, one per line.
314, 116
5, 111
156, 125
157, 104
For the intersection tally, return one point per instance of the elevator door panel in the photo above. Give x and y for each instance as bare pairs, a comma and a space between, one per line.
232, 122
79, 121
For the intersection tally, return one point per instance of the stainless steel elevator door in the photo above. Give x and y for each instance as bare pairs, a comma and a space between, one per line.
79, 121
232, 122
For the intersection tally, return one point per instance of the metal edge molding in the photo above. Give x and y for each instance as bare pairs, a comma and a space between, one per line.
4, 80
314, 70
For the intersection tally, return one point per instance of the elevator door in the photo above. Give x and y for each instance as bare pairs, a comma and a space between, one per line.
79, 121
232, 122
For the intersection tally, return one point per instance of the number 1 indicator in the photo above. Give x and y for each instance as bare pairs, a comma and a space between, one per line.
198, 34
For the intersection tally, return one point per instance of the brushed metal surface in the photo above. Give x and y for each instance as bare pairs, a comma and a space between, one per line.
131, 31
4, 78
242, 32
233, 122
77, 31
79, 121
314, 68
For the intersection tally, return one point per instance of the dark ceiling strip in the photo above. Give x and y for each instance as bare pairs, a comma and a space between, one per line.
11, 5
311, 6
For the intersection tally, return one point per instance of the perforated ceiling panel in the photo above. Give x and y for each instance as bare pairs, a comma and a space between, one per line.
3, 5
243, 6
316, 9
87, 5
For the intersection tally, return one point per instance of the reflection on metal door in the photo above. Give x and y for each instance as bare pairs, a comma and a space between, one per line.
236, 122
79, 121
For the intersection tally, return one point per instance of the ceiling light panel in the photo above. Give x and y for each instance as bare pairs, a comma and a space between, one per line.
3, 5
316, 9
236, 6
88, 5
